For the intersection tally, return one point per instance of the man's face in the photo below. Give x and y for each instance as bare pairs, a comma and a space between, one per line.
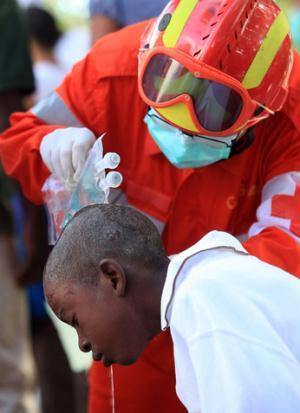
106, 324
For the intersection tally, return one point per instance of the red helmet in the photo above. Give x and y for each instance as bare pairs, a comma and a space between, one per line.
216, 67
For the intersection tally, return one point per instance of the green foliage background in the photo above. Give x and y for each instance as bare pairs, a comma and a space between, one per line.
69, 13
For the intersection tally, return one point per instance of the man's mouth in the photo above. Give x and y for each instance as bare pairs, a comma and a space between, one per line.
100, 357
106, 362
97, 356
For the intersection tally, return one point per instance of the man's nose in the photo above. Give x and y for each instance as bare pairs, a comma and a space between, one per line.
84, 345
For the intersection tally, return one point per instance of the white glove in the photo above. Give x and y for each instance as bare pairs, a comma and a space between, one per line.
65, 151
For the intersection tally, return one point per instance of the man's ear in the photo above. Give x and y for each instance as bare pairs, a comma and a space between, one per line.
114, 273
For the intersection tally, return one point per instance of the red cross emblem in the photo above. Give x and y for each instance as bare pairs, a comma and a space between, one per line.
288, 207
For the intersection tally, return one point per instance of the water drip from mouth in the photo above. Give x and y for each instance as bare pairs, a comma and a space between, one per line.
112, 389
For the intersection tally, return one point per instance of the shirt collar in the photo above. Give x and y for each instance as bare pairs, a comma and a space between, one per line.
213, 240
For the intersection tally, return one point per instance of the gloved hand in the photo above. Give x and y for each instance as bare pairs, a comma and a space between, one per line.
64, 152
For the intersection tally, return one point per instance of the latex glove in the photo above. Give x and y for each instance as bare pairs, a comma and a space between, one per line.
65, 151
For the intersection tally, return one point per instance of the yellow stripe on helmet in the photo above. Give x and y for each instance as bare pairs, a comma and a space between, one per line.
178, 21
267, 52
179, 115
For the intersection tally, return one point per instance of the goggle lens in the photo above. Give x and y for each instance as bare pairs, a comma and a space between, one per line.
217, 106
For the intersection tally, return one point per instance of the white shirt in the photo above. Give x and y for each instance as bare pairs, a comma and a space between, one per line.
48, 76
72, 46
235, 325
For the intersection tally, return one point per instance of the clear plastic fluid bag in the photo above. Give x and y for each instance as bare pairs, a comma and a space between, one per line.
57, 200
92, 187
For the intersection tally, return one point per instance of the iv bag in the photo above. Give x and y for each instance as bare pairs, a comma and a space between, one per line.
93, 187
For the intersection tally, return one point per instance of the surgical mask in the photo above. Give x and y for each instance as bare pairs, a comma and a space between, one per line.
186, 151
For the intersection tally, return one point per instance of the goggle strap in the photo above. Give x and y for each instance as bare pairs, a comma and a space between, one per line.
271, 112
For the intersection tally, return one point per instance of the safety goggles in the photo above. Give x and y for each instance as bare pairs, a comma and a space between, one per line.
194, 96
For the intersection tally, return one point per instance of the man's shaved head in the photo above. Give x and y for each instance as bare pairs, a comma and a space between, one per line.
105, 277
100, 231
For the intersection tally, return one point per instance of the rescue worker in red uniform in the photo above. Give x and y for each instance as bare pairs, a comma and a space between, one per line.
205, 141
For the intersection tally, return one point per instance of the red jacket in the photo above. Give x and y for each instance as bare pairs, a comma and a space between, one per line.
101, 94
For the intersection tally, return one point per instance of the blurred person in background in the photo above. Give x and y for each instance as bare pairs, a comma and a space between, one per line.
72, 46
110, 15
17, 375
294, 16
56, 379
292, 9
44, 35
75, 40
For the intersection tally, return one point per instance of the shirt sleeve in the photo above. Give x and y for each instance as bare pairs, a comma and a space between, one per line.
279, 205
87, 96
277, 247
274, 236
79, 100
